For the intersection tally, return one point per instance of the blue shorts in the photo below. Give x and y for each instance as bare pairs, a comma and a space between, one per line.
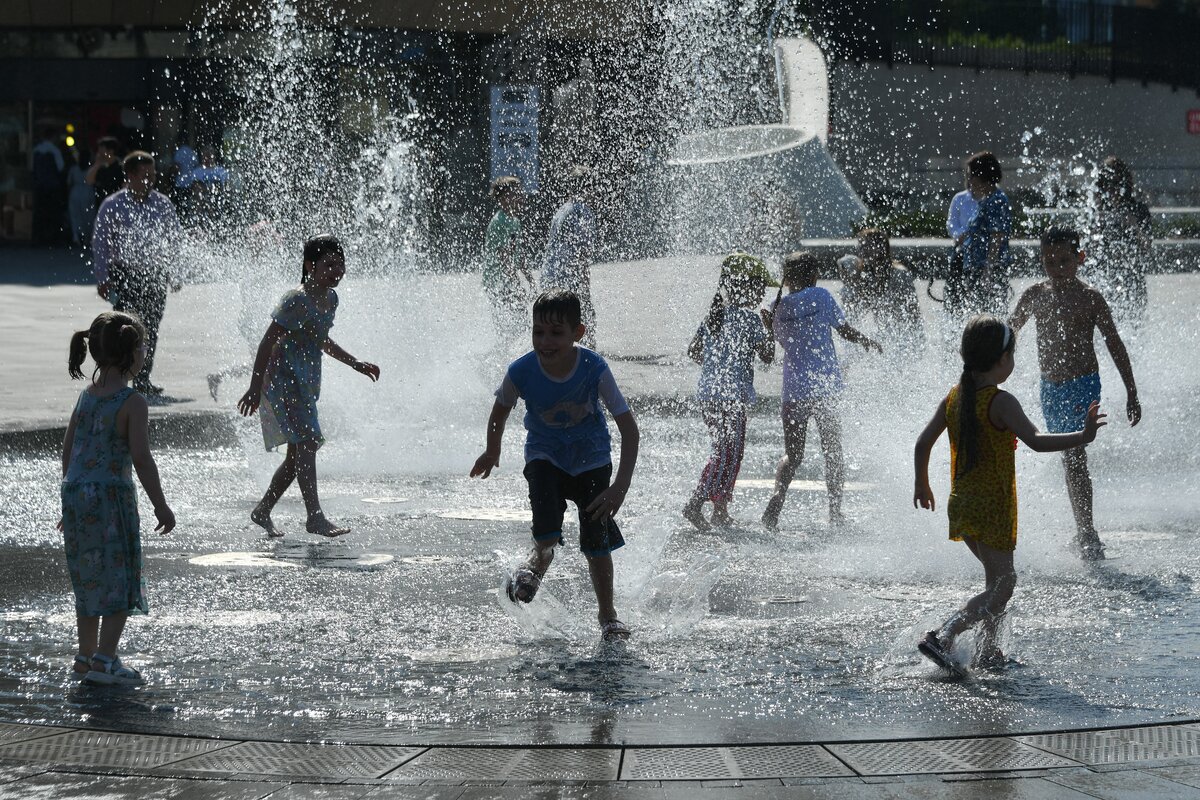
1065, 405
549, 490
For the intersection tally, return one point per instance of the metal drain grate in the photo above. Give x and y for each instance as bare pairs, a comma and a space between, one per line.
678, 763
787, 761
287, 759
109, 749
945, 755
10, 732
1121, 746
493, 763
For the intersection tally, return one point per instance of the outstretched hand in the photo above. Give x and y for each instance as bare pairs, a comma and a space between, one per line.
923, 497
485, 464
249, 402
1094, 422
366, 368
606, 504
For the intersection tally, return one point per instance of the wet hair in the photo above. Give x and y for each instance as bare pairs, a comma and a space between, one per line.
1115, 177
983, 344
799, 269
558, 305
985, 166
1060, 234
112, 339
505, 186
876, 235
316, 248
136, 159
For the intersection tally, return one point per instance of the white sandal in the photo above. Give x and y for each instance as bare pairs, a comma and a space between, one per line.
112, 672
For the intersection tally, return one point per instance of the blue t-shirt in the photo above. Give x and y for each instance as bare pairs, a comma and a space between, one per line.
727, 365
804, 324
994, 215
562, 416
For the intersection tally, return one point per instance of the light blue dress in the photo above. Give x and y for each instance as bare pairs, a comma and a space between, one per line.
101, 529
293, 381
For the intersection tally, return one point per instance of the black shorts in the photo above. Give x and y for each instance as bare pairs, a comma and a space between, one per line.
549, 490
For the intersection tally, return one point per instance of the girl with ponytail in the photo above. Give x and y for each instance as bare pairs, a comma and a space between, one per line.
984, 423
107, 439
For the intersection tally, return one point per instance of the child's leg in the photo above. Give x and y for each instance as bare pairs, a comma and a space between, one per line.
285, 473
601, 570
1079, 489
795, 425
111, 628
830, 428
89, 631
989, 605
306, 477
727, 427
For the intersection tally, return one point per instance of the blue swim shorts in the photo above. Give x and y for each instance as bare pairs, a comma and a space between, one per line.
1065, 405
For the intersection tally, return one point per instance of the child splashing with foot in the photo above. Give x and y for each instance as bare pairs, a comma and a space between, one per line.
287, 381
568, 452
982, 421
803, 322
724, 347
107, 436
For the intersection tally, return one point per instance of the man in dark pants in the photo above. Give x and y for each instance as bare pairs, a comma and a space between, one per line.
134, 247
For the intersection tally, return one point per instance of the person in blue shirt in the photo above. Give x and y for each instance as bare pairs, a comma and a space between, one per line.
568, 453
985, 243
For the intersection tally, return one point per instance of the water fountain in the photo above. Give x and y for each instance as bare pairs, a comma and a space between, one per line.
397, 634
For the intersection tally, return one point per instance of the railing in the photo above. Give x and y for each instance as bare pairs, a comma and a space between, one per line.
1071, 36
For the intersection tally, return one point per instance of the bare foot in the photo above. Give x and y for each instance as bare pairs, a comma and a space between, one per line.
214, 384
721, 518
261, 517
693, 513
770, 517
322, 527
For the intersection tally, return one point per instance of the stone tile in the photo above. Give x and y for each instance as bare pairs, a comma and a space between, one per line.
15, 772
1018, 789
1129, 783
72, 786
945, 755
1189, 775
222, 790
414, 793
299, 762
319, 791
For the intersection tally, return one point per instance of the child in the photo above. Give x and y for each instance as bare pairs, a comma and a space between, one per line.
287, 381
982, 421
725, 346
107, 434
571, 247
803, 323
1067, 311
873, 283
503, 267
567, 450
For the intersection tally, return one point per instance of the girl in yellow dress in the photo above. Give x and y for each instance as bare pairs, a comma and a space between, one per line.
984, 423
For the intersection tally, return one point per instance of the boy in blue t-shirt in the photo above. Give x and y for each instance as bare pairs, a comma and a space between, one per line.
568, 454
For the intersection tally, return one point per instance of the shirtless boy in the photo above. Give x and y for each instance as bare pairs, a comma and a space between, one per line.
1067, 312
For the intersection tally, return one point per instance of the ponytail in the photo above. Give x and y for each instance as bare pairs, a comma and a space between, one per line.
78, 352
716, 314
968, 425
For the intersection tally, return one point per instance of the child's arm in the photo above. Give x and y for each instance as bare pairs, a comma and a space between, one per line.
608, 502
253, 396
1120, 357
1006, 413
766, 349
331, 348
853, 334
68, 444
143, 462
922, 494
495, 434
1024, 310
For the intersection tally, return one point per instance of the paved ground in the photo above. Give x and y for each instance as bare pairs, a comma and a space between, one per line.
49, 763
46, 296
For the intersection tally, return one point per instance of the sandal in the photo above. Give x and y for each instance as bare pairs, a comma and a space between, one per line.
523, 585
82, 664
613, 630
932, 648
111, 672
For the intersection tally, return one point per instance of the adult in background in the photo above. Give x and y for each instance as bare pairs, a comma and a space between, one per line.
570, 249
985, 242
962, 209
134, 246
49, 190
506, 278
81, 199
107, 174
1120, 239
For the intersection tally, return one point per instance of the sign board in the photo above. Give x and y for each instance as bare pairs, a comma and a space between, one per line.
1193, 120
514, 135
